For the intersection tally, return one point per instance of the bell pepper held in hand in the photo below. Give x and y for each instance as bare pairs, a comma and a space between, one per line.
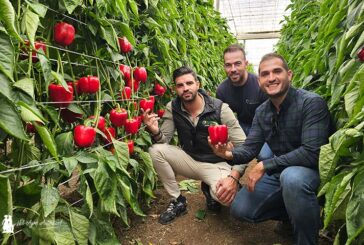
84, 136
218, 134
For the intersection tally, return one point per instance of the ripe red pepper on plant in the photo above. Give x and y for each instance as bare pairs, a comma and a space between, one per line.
218, 134
160, 113
89, 84
126, 71
102, 122
159, 89
140, 74
84, 136
125, 45
57, 93
29, 128
131, 146
131, 126
118, 117
361, 54
64, 33
146, 104
139, 119
37, 45
109, 132
126, 93
133, 84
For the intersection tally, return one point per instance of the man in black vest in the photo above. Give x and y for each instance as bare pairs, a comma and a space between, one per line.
190, 114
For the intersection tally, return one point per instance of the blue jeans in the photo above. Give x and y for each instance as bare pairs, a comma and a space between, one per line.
265, 152
291, 193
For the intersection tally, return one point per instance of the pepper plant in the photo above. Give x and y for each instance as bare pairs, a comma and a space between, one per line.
322, 41
64, 68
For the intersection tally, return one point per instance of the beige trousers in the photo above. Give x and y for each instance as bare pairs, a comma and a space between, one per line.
170, 160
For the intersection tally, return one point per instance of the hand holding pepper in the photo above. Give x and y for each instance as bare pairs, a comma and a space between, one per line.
222, 150
150, 119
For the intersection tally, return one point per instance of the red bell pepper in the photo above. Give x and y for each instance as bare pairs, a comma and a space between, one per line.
125, 45
131, 146
146, 104
126, 93
361, 54
110, 133
84, 136
218, 134
89, 84
140, 74
159, 89
64, 33
102, 122
133, 84
131, 126
118, 117
125, 70
139, 119
57, 93
160, 113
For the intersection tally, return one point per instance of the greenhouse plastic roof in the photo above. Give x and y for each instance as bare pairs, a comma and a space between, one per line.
253, 19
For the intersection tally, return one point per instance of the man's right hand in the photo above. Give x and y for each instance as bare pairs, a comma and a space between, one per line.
150, 119
222, 150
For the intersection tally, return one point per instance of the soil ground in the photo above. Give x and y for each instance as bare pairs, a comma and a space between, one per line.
187, 229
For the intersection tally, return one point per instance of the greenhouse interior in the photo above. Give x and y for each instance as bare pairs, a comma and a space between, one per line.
182, 122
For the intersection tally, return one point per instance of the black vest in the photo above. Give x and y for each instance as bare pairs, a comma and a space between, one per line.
193, 140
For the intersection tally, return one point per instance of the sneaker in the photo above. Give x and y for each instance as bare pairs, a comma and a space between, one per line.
284, 228
211, 203
175, 208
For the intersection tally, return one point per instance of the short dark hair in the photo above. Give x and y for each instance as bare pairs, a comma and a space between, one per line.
183, 71
273, 56
233, 48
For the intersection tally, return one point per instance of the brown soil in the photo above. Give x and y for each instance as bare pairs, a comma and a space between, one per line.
185, 230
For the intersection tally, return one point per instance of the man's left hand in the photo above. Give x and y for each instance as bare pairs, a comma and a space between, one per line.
226, 190
254, 175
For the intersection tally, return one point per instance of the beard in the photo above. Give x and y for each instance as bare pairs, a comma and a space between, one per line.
190, 99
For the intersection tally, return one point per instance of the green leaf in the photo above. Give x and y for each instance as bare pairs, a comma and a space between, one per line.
200, 214
27, 85
87, 158
7, 55
63, 233
122, 154
49, 199
80, 227
47, 139
70, 163
7, 16
127, 32
10, 120
109, 34
46, 69
38, 8
71, 5
64, 143
30, 25
134, 7
6, 200
355, 209
89, 199
121, 4
28, 115
60, 80
5, 85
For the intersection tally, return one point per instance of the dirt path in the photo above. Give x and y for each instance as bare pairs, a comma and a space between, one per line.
213, 229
